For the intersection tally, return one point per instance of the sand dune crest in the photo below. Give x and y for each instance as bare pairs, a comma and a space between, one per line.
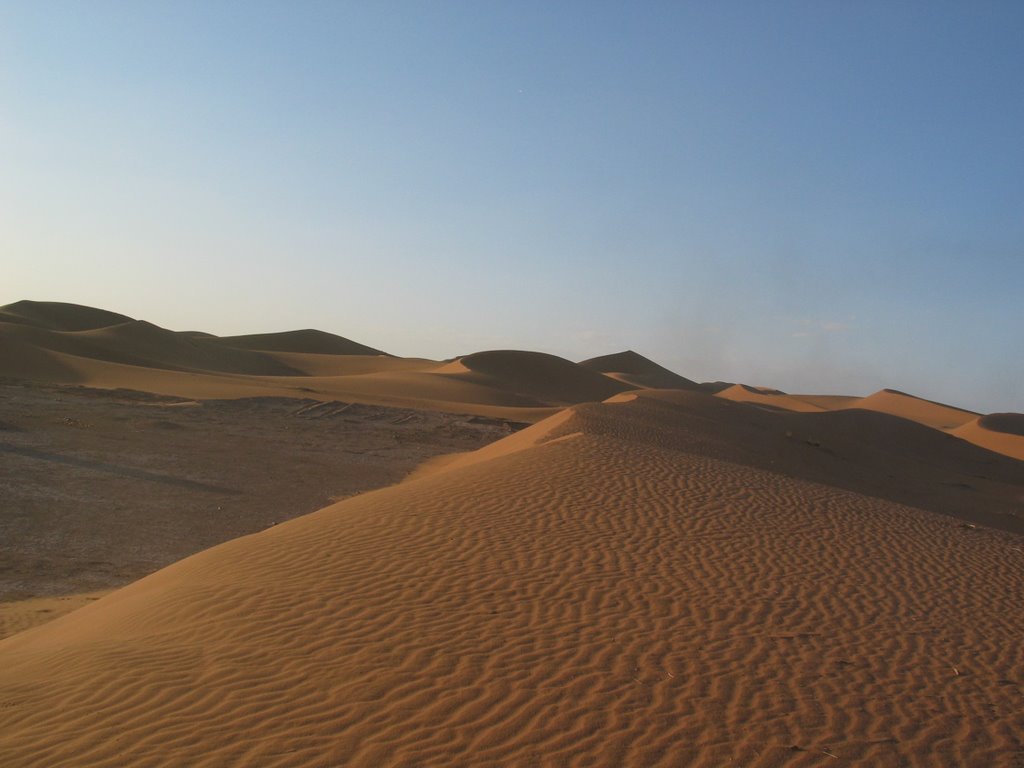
308, 340
638, 371
914, 408
59, 316
547, 378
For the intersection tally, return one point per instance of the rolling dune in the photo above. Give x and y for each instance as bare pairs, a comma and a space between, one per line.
20, 359
915, 408
545, 378
625, 584
59, 316
637, 371
307, 341
741, 393
160, 348
999, 432
519, 386
650, 575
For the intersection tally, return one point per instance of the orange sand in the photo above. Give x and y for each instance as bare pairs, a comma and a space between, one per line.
664, 578
611, 590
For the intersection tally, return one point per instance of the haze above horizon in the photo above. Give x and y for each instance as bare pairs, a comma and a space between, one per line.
811, 196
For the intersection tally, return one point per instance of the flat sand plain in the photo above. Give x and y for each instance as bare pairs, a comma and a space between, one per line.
645, 577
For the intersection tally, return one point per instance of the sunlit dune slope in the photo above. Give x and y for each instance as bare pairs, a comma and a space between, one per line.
536, 375
1000, 432
638, 371
308, 340
889, 401
996, 432
624, 585
773, 398
915, 408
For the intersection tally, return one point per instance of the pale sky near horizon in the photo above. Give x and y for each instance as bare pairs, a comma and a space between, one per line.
817, 196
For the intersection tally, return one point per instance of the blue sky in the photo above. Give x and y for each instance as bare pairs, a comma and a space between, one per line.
819, 196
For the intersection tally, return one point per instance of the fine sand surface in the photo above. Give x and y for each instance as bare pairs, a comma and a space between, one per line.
652, 574
618, 585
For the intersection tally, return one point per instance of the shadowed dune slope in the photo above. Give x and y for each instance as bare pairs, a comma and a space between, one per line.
638, 371
58, 316
142, 344
1005, 423
546, 378
611, 590
308, 340
399, 385
21, 359
1000, 432
166, 349
315, 364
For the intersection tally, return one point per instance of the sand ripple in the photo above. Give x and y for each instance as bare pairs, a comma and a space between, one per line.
597, 600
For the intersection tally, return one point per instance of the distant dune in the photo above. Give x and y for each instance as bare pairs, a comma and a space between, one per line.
766, 396
58, 316
114, 351
543, 377
915, 408
308, 340
662, 579
637, 371
72, 344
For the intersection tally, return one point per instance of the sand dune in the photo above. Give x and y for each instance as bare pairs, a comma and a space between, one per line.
773, 398
145, 345
59, 316
663, 578
627, 584
313, 364
21, 359
103, 487
67, 343
308, 340
161, 348
520, 386
637, 371
915, 408
999, 432
542, 377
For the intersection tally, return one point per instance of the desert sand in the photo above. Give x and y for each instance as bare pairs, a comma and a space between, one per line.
102, 487
651, 574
